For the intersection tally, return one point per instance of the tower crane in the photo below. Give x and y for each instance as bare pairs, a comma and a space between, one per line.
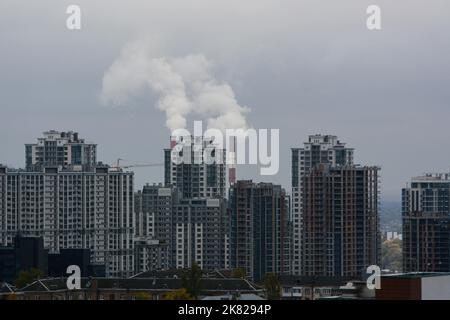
117, 165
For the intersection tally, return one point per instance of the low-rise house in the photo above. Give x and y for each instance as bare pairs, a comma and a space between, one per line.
6, 290
128, 289
241, 297
310, 288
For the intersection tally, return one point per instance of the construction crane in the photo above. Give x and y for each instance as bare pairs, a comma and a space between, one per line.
137, 164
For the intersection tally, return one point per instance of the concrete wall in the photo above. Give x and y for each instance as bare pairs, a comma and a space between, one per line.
436, 288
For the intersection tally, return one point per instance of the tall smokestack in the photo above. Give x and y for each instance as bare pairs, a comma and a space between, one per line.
232, 164
173, 142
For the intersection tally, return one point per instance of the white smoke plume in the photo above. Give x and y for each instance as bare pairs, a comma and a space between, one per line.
184, 85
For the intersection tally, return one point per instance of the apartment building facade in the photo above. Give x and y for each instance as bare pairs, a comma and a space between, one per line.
72, 210
194, 230
57, 148
340, 234
260, 229
154, 218
196, 175
325, 149
200, 233
426, 224
70, 201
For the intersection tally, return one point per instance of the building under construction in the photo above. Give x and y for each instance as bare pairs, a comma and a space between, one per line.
340, 220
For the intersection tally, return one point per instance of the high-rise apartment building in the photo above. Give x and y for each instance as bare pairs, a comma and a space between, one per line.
72, 209
194, 230
154, 208
154, 211
70, 201
426, 224
192, 176
60, 149
340, 234
260, 238
325, 149
200, 233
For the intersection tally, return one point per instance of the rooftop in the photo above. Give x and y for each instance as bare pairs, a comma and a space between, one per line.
316, 281
432, 177
416, 275
151, 284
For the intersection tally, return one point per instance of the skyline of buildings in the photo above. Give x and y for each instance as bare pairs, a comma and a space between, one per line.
329, 225
328, 120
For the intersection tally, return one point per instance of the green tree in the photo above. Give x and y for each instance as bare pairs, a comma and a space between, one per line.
177, 295
391, 255
272, 286
11, 296
238, 273
142, 296
28, 276
191, 281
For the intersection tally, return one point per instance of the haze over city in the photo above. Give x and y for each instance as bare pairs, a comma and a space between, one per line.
299, 66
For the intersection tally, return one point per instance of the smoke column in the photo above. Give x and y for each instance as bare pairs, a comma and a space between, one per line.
183, 85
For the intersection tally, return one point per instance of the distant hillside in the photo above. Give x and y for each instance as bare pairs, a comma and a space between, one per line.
390, 216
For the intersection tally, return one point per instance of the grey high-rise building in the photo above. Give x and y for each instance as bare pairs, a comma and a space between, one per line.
340, 227
71, 201
194, 230
154, 216
154, 206
426, 224
57, 148
72, 209
260, 234
325, 149
200, 233
193, 177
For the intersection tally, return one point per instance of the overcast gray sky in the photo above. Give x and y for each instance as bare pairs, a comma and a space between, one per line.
305, 67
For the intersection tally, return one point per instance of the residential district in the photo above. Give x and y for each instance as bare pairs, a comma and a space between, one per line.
203, 235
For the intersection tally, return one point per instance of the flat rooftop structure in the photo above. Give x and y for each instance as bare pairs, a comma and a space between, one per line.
416, 275
414, 286
432, 177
